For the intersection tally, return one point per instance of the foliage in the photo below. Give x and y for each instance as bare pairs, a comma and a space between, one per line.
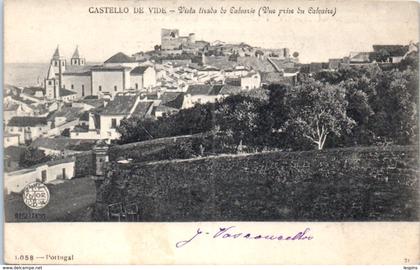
32, 156
316, 110
347, 107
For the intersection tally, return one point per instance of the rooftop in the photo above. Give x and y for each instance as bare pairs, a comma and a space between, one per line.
120, 105
120, 58
76, 53
172, 99
139, 70
70, 113
32, 90
142, 109
230, 90
199, 89
27, 121
62, 143
109, 68
78, 70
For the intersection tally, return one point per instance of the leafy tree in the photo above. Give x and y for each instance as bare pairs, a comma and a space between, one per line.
316, 110
396, 107
238, 116
32, 156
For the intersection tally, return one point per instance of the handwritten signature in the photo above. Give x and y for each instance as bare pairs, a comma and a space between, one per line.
232, 233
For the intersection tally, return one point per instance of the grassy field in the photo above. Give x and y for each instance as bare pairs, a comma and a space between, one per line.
71, 200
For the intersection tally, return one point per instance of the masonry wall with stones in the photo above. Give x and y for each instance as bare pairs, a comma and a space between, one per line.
369, 183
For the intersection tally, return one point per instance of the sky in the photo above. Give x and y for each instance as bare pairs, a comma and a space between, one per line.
33, 29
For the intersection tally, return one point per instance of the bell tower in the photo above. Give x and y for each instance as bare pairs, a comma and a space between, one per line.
76, 59
58, 65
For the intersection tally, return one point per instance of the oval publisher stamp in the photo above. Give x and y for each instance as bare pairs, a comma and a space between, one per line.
36, 195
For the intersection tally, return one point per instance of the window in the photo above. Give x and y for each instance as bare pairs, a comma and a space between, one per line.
113, 123
83, 90
100, 88
115, 88
137, 86
55, 63
49, 82
62, 63
72, 86
64, 173
19, 129
11, 129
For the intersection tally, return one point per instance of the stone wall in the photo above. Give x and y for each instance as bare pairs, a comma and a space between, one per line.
151, 150
369, 183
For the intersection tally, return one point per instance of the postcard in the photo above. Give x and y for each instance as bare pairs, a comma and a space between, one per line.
211, 132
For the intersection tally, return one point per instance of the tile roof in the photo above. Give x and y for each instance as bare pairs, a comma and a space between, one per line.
120, 58
21, 99
169, 96
27, 121
142, 109
204, 89
271, 77
32, 90
199, 89
108, 68
359, 57
120, 105
139, 70
70, 113
92, 102
78, 70
59, 143
230, 90
215, 90
393, 50
173, 99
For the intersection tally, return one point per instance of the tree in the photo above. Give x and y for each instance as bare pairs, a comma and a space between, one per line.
295, 54
66, 132
239, 117
316, 110
32, 156
396, 107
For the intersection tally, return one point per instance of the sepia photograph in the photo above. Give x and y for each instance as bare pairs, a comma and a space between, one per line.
217, 111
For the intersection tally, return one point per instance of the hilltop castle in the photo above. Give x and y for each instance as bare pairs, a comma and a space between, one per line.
171, 40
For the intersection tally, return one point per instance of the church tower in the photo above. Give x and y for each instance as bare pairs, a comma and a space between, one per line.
76, 59
58, 65
51, 84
